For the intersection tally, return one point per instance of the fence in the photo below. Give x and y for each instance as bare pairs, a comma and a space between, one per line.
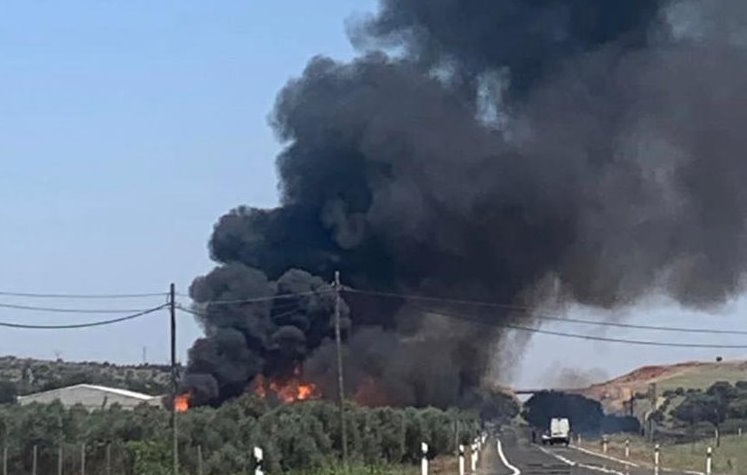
117, 459
653, 458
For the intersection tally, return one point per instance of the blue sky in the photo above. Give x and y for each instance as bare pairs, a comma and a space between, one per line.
126, 130
128, 127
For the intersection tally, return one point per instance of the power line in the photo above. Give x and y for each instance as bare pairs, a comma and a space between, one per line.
278, 306
81, 296
82, 325
286, 313
640, 327
264, 299
541, 316
68, 310
511, 326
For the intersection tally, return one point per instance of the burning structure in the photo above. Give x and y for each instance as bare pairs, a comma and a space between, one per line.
511, 151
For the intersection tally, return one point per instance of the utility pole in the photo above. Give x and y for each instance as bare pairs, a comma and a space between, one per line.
174, 382
340, 381
652, 422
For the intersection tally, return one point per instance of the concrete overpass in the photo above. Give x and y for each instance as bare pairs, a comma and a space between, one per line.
539, 390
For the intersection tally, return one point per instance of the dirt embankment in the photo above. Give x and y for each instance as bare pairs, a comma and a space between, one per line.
616, 393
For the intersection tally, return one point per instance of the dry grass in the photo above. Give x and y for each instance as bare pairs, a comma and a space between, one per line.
728, 459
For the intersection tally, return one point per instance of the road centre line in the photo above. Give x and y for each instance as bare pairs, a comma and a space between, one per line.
578, 464
604, 456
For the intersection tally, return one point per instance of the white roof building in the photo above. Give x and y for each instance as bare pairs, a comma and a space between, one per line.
91, 397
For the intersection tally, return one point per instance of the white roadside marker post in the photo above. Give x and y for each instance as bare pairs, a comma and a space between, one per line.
604, 445
258, 456
424, 460
627, 448
709, 461
473, 464
461, 459
656, 459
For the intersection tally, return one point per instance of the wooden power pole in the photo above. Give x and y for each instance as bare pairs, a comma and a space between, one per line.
340, 380
174, 382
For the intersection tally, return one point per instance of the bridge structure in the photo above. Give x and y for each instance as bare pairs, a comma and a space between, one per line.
525, 393
531, 392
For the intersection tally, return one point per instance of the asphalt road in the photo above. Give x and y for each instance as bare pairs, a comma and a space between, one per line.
521, 457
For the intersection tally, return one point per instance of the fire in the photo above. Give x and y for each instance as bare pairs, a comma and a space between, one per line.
286, 390
181, 403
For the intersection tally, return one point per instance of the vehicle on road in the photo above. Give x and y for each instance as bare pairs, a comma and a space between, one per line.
559, 433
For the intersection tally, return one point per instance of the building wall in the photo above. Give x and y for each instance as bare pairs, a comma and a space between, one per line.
90, 398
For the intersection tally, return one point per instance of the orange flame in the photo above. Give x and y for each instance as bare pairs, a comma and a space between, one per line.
181, 403
286, 390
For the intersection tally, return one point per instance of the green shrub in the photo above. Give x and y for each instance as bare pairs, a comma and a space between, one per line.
303, 436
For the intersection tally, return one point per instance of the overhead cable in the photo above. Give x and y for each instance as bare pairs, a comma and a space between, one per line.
267, 298
69, 310
81, 296
82, 325
285, 313
532, 311
512, 326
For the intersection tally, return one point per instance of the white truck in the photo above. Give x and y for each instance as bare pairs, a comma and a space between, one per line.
559, 433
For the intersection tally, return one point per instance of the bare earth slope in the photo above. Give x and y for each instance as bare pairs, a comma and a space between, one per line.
615, 393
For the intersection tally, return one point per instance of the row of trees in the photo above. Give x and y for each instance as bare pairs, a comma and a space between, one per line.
297, 436
718, 403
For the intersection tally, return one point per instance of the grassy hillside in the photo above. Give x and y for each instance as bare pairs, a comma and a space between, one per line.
703, 375
615, 393
32, 375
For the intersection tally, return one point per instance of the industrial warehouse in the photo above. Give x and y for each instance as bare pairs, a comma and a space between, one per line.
91, 397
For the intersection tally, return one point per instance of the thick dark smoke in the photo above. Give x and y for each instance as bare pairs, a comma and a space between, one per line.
497, 151
530, 39
270, 336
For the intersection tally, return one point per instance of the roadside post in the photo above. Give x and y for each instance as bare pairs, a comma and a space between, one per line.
461, 459
709, 461
627, 448
424, 459
473, 464
656, 459
258, 458
605, 442
83, 459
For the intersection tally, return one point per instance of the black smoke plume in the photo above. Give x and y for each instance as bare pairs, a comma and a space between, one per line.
505, 151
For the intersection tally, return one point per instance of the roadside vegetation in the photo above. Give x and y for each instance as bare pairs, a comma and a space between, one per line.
728, 458
298, 438
687, 422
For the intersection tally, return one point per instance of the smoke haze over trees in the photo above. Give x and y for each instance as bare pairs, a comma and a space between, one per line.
511, 151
